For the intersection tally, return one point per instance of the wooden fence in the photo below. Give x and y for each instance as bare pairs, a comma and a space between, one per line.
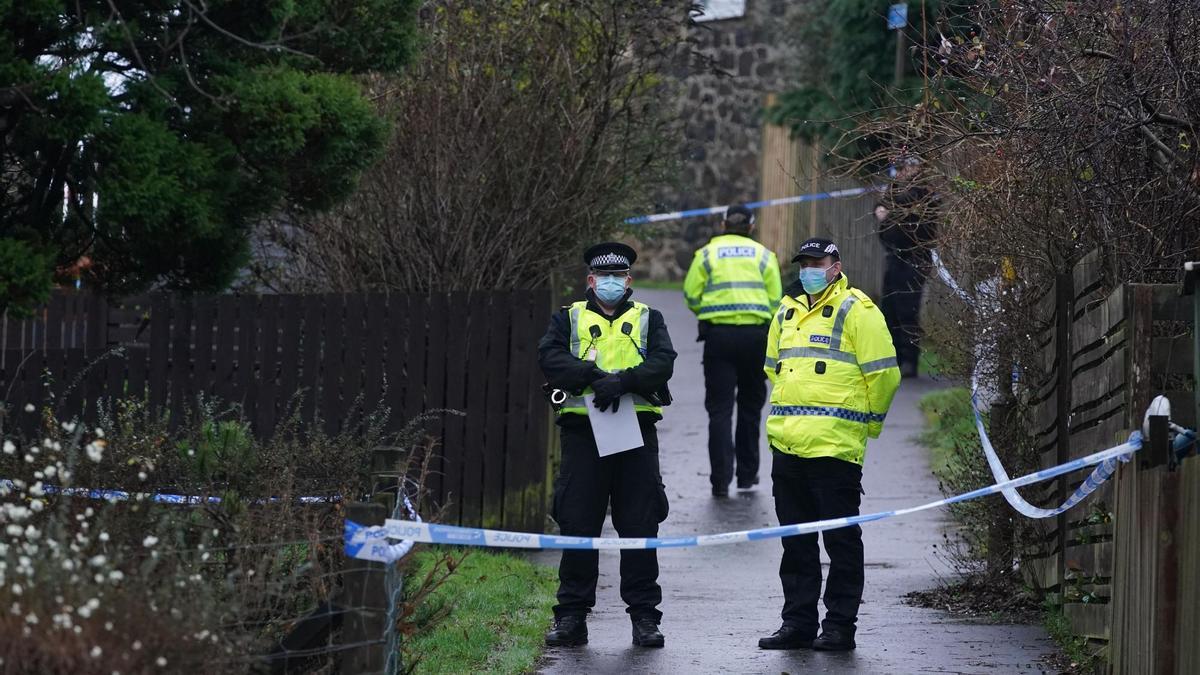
1119, 562
328, 359
790, 167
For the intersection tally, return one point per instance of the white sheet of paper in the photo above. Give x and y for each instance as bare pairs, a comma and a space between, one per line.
614, 432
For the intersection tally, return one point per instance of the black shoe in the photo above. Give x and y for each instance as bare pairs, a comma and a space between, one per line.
646, 633
568, 631
834, 640
720, 491
787, 637
747, 484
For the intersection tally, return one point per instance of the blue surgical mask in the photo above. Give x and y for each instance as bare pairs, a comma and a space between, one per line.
813, 279
610, 289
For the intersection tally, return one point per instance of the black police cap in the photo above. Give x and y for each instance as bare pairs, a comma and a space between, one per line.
817, 247
611, 256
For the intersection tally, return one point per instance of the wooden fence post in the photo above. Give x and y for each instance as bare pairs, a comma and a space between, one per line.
365, 599
1064, 316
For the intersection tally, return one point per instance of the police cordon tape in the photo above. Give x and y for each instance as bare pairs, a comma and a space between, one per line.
375, 543
713, 210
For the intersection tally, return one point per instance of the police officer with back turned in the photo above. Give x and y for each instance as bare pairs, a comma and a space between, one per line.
608, 346
833, 365
733, 287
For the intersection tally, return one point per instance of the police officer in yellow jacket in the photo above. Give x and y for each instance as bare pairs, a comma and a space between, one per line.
733, 288
608, 346
831, 360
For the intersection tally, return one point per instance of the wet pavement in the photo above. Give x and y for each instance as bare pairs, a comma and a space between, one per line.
718, 600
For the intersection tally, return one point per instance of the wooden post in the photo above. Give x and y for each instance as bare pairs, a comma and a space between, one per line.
1064, 312
1000, 533
365, 598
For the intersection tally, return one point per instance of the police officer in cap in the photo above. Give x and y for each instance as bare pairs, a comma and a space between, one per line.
831, 359
608, 345
733, 288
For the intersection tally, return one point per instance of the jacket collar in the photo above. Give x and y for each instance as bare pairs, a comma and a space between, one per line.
796, 296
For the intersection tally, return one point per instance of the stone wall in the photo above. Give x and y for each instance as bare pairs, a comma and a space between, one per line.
722, 115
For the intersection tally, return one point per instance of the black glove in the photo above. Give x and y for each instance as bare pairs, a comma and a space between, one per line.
608, 391
702, 331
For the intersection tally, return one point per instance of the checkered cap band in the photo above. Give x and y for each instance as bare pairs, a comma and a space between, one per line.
609, 259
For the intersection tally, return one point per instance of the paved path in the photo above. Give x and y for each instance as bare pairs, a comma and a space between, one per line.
719, 600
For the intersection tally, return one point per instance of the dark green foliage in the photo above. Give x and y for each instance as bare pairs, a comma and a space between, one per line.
848, 65
172, 126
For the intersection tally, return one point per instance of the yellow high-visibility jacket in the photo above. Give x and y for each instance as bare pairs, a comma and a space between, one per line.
613, 344
733, 280
834, 372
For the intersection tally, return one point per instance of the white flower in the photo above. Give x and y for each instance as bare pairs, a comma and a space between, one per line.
108, 626
95, 451
9, 447
68, 427
28, 407
99, 432
96, 652
36, 505
32, 533
31, 619
149, 541
137, 645
141, 475
103, 536
37, 490
17, 590
50, 471
115, 576
85, 612
161, 661
97, 561
14, 530
29, 459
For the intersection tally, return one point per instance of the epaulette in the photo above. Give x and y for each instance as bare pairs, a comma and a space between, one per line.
863, 297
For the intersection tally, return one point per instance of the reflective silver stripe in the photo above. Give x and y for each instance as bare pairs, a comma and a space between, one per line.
645, 329
575, 332
878, 364
577, 402
762, 261
817, 353
835, 337
707, 265
780, 314
758, 285
769, 363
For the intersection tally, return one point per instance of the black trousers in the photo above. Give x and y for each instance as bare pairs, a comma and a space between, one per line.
733, 372
903, 284
815, 489
585, 485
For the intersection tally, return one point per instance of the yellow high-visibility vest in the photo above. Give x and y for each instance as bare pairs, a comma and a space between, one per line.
733, 280
613, 344
834, 372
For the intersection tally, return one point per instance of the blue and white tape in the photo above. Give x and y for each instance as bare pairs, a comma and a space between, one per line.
373, 543
713, 210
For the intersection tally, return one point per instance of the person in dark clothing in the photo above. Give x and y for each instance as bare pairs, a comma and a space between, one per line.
619, 351
907, 231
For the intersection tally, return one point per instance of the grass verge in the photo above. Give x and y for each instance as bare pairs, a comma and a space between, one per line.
499, 607
949, 430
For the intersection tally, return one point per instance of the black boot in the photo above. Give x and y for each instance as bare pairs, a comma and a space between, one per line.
834, 640
787, 637
747, 484
646, 633
568, 631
